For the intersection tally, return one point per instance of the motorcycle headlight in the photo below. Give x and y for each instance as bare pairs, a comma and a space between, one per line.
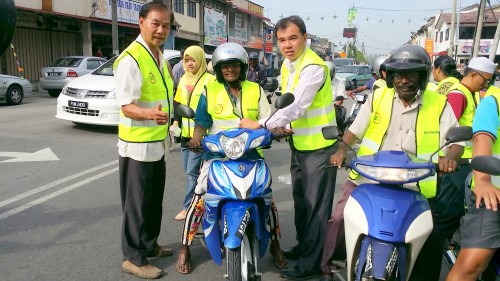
212, 146
234, 147
394, 175
111, 95
256, 142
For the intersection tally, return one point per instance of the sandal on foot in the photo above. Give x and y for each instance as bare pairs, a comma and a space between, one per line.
183, 261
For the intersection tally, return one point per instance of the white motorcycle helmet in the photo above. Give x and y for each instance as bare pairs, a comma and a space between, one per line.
230, 52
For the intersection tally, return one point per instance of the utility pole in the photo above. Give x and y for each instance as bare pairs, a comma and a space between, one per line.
494, 45
452, 28
114, 27
479, 29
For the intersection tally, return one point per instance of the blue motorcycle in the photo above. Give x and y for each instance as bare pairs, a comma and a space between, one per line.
386, 224
238, 199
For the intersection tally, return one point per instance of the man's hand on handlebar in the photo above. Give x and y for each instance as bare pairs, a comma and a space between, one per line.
279, 133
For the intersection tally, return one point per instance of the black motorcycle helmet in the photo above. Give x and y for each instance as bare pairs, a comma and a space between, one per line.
409, 58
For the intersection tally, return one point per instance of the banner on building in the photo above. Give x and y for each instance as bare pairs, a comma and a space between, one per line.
127, 10
238, 32
214, 27
465, 46
255, 42
269, 43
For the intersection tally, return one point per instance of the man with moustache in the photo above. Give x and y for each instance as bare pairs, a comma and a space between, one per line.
144, 91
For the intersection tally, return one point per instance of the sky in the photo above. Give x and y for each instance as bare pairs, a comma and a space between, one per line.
382, 25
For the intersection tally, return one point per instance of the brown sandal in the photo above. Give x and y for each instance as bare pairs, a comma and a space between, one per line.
279, 258
183, 262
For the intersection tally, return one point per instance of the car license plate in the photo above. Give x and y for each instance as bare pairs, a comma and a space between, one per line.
53, 73
79, 104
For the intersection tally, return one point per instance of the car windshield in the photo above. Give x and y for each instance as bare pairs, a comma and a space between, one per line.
338, 62
347, 69
105, 69
67, 62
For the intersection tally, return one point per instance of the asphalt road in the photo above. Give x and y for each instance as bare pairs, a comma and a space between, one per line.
60, 212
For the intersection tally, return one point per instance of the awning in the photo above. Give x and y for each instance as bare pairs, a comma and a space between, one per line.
252, 13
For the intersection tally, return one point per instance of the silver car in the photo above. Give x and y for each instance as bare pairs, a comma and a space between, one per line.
64, 69
13, 89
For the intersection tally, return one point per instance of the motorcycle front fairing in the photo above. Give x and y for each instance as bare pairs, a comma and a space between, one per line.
239, 193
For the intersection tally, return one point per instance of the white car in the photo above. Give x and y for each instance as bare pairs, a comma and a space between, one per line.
90, 99
13, 89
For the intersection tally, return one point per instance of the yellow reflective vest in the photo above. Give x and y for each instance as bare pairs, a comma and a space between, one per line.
380, 83
157, 87
427, 130
220, 107
467, 115
445, 85
321, 113
191, 100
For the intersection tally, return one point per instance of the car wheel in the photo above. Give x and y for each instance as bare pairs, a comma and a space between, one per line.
54, 93
14, 95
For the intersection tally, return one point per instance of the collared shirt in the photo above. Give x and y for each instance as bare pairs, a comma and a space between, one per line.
311, 79
401, 134
128, 81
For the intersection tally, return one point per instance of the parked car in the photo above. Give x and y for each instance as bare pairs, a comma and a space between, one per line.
91, 99
354, 75
13, 89
344, 61
65, 69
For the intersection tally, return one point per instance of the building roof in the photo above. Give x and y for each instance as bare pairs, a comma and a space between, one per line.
471, 17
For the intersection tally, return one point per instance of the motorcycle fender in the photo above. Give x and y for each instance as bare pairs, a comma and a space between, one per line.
417, 234
236, 217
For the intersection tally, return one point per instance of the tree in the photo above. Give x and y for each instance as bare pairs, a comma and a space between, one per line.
355, 53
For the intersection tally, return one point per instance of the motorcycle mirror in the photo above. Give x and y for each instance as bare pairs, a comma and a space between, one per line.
7, 23
284, 100
330, 132
459, 134
184, 111
486, 164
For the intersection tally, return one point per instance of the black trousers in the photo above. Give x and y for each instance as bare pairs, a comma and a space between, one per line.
313, 190
141, 186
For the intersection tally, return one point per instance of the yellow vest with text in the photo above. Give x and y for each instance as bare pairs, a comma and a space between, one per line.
321, 113
445, 85
467, 115
495, 93
220, 107
192, 101
427, 130
156, 88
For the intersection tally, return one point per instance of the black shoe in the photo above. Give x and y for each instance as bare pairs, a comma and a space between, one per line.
292, 253
298, 273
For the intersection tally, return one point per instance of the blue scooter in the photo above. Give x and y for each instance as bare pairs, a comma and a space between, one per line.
387, 224
238, 199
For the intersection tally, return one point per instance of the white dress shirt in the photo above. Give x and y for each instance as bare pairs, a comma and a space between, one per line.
128, 80
310, 81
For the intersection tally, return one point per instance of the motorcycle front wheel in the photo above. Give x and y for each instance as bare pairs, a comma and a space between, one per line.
243, 262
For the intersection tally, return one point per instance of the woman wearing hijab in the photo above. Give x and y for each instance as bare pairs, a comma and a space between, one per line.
189, 89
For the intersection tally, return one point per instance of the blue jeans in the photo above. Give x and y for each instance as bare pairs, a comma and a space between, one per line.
191, 164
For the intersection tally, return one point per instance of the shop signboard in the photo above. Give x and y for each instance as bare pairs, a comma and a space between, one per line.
214, 27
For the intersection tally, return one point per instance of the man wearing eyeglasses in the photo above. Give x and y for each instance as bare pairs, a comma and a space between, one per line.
463, 100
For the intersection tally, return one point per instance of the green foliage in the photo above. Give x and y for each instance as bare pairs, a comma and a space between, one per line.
355, 53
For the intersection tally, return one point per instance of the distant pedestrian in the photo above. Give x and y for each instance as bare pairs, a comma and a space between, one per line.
98, 53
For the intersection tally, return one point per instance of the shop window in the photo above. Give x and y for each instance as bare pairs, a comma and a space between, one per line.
179, 6
191, 9
447, 34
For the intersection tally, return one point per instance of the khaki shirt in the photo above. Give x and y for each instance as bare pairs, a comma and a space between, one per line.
401, 132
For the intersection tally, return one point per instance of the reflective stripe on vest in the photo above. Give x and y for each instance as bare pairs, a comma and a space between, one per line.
427, 130
495, 180
192, 101
467, 115
220, 107
156, 88
446, 84
321, 113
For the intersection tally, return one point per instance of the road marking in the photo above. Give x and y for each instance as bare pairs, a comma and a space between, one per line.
55, 183
45, 154
55, 194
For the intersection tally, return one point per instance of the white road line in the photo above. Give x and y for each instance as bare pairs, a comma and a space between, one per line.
54, 194
55, 183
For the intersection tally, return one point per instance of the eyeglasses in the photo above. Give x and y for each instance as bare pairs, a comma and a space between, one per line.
486, 81
232, 65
